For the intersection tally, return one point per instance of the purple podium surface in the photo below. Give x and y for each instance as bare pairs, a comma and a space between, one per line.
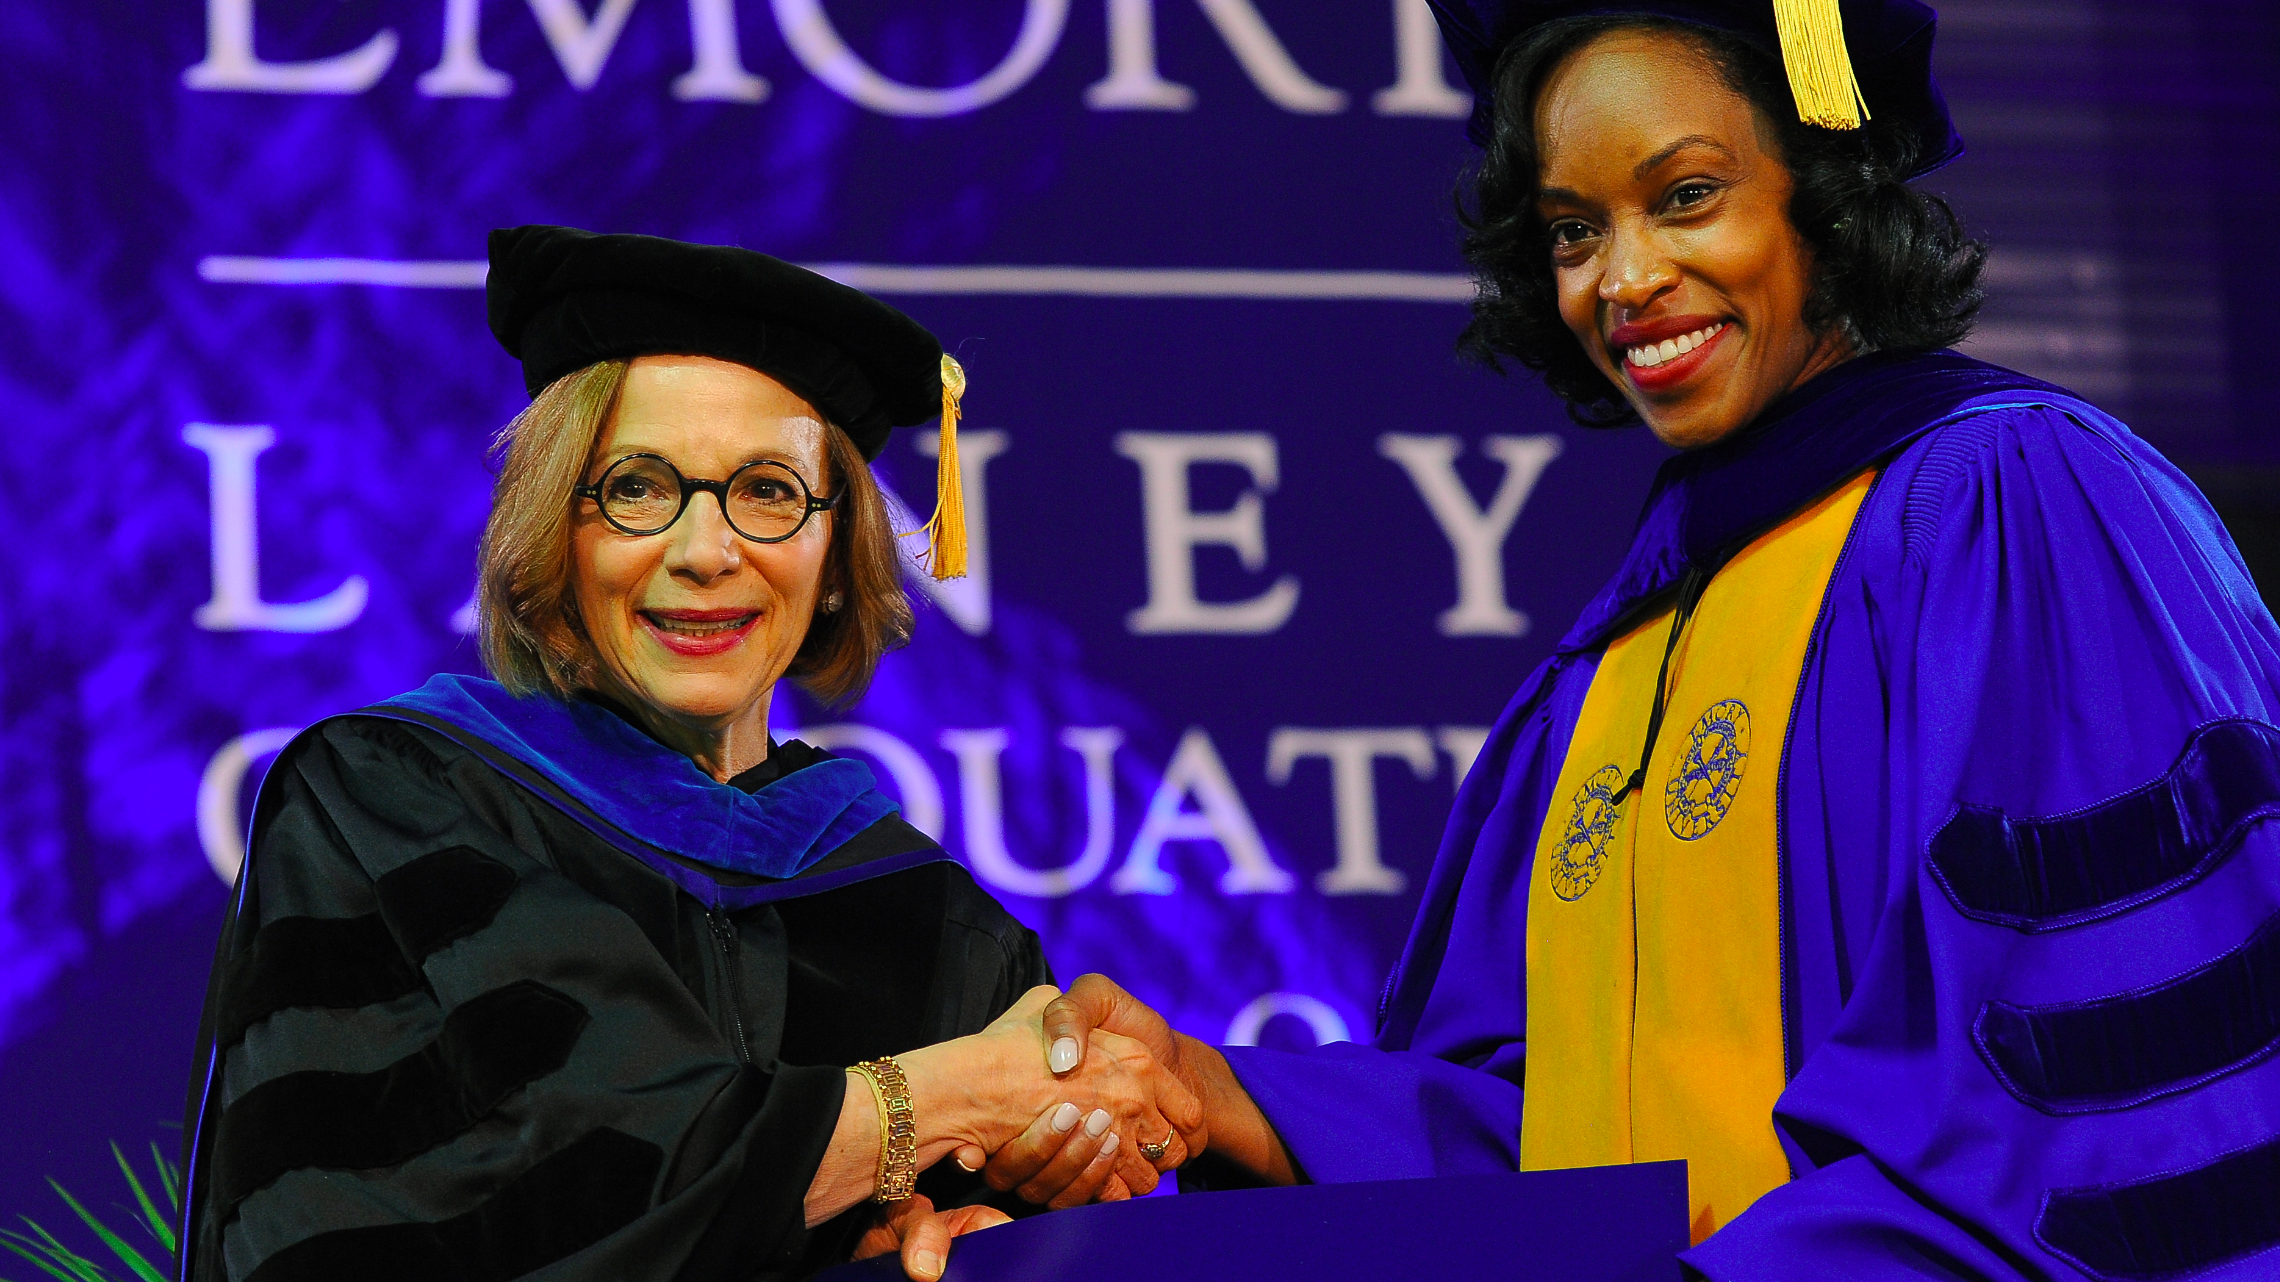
1598, 1224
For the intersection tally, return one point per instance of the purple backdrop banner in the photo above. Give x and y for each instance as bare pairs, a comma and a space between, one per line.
1256, 558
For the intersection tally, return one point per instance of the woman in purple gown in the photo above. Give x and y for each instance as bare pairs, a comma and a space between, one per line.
1886, 839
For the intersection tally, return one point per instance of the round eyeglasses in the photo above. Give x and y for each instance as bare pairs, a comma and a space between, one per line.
765, 501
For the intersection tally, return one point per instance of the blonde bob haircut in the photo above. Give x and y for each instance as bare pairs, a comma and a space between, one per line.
533, 639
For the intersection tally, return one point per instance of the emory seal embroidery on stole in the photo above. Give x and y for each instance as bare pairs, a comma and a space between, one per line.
1582, 853
1702, 784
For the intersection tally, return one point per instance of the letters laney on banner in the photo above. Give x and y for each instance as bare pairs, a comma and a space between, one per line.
1256, 559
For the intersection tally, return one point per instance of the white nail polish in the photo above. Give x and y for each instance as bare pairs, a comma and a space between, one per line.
1064, 1119
1064, 1055
1096, 1122
1108, 1146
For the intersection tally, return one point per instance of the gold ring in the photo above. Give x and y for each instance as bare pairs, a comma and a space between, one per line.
1155, 1152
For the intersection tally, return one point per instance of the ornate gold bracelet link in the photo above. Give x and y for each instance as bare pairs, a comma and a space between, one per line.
898, 1129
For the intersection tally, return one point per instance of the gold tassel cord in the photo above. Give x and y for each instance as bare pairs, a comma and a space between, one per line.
946, 529
1820, 72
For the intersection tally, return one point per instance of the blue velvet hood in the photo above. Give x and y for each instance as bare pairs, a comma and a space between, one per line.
650, 800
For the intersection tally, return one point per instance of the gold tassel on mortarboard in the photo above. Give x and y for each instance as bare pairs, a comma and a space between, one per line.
1820, 72
946, 530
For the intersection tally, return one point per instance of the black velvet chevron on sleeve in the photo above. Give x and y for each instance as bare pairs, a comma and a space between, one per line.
333, 962
340, 963
441, 898
565, 1203
2121, 1050
2171, 1227
2044, 873
490, 1047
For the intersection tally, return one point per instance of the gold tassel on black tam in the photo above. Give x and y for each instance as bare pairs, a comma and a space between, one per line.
1820, 71
946, 531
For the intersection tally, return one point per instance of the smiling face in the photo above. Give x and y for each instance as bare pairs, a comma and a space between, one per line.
692, 627
1675, 261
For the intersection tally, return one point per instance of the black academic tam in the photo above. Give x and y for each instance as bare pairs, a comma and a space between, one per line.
458, 1034
1888, 42
560, 299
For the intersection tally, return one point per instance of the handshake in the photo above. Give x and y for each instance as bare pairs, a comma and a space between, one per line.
1068, 1098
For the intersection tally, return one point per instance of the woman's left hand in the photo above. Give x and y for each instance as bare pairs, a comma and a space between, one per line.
923, 1234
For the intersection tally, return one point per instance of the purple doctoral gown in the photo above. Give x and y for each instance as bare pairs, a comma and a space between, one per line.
2030, 941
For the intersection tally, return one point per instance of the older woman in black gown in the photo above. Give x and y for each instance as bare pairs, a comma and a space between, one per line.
579, 971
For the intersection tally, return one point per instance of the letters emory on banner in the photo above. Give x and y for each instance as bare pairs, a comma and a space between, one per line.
1256, 559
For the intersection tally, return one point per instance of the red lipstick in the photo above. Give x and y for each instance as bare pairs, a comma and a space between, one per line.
698, 634
1669, 367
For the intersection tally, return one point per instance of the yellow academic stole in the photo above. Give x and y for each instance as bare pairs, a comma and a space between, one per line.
1654, 917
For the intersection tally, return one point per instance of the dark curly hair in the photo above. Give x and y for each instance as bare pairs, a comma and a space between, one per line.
1892, 265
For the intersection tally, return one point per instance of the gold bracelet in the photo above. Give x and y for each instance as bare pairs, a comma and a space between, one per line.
898, 1129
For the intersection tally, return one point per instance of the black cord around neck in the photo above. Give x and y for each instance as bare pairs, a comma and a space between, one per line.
1690, 591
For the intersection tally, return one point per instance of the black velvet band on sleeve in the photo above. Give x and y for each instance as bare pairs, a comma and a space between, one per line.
340, 963
440, 898
333, 962
2169, 1226
2049, 873
566, 1202
490, 1047
2120, 1051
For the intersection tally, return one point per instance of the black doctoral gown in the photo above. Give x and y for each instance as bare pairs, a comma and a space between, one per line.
462, 1026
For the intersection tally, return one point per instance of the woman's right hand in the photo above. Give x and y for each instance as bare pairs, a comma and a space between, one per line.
1097, 1013
1052, 1162
981, 1093
982, 1089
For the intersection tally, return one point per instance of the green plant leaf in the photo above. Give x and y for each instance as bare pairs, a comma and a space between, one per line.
156, 1223
128, 1256
45, 1252
51, 1269
171, 1178
50, 1256
57, 1251
40, 1263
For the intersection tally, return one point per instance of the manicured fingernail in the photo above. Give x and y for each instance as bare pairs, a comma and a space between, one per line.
1064, 1119
1108, 1145
927, 1262
963, 1167
1096, 1123
1064, 1055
